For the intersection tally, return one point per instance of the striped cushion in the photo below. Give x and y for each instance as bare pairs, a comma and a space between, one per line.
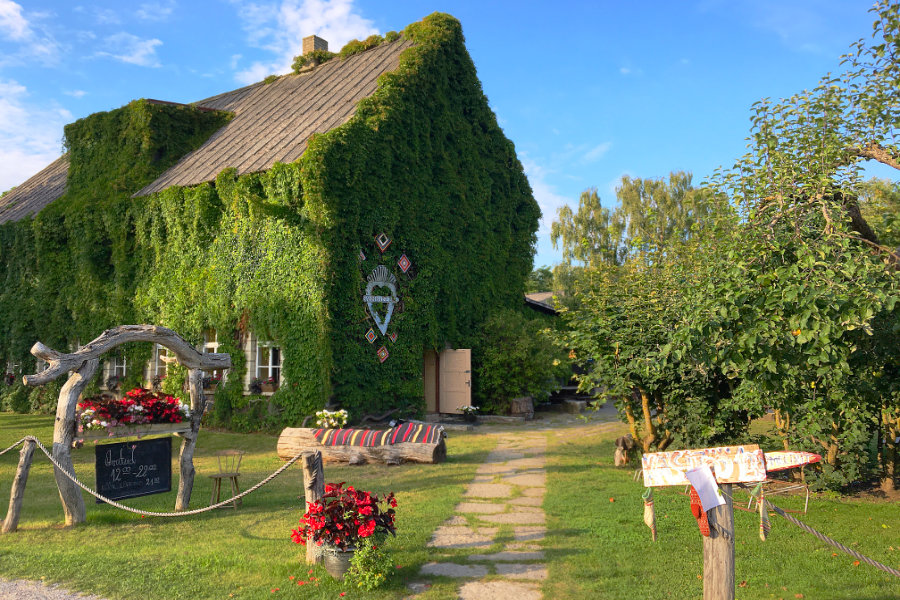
421, 433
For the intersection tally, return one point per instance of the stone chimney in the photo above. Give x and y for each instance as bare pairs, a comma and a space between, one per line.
312, 43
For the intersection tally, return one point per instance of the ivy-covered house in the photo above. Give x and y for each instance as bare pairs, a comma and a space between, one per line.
328, 228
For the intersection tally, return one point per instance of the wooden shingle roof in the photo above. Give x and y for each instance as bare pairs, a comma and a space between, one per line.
272, 123
36, 193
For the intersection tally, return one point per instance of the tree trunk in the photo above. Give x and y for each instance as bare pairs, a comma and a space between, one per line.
64, 435
783, 425
198, 406
313, 490
294, 440
18, 487
649, 436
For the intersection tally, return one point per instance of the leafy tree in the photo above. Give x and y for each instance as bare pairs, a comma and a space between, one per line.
798, 303
650, 212
592, 235
540, 280
628, 310
625, 326
879, 203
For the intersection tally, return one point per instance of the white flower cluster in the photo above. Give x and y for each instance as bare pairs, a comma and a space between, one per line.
88, 421
469, 410
185, 409
332, 419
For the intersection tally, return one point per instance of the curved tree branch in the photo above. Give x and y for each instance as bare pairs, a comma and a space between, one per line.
62, 363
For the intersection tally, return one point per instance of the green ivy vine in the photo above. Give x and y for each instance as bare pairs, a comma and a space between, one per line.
278, 253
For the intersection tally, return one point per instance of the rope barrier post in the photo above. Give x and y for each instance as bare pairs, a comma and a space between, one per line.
718, 551
18, 487
313, 490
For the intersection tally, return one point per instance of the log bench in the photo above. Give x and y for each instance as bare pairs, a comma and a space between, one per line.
360, 446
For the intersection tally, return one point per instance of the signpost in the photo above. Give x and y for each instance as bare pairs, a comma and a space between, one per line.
729, 465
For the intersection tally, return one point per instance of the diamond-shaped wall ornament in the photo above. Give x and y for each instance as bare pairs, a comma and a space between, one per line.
393, 337
382, 241
370, 335
404, 263
380, 277
383, 354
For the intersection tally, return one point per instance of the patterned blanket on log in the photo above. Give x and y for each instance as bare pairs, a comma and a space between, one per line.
420, 433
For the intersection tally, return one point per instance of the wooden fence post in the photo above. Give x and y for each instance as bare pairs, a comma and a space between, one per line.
313, 489
718, 551
18, 487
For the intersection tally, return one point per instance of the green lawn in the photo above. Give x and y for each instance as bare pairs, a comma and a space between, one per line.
600, 548
225, 553
596, 548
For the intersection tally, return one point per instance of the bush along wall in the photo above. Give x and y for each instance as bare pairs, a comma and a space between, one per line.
287, 253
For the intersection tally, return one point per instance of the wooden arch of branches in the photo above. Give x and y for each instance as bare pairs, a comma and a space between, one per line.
83, 364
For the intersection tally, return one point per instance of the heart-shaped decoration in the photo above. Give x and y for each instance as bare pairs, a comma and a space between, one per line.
381, 277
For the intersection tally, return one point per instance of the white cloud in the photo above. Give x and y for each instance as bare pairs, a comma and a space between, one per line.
597, 152
13, 24
29, 135
156, 11
105, 16
75, 93
279, 27
30, 43
548, 199
131, 49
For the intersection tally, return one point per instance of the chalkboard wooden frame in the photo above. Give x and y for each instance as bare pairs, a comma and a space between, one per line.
120, 468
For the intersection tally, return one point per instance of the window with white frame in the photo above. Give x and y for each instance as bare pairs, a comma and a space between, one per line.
119, 366
268, 363
160, 367
211, 346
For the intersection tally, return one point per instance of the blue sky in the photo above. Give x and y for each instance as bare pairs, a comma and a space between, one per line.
587, 91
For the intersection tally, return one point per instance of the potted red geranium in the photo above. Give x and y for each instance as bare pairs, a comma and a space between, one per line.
342, 520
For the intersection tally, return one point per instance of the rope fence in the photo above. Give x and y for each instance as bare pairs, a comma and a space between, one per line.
148, 513
284, 467
782, 513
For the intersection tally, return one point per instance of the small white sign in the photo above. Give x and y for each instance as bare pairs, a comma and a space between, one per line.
704, 482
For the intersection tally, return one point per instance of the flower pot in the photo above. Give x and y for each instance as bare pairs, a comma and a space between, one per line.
269, 388
336, 562
470, 417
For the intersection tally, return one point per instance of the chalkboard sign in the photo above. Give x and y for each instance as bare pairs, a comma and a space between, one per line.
131, 469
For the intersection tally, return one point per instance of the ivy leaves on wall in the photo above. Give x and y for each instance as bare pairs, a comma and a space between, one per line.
278, 252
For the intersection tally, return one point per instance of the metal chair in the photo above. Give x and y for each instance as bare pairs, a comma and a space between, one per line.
229, 468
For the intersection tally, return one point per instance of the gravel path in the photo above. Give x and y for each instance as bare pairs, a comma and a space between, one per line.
36, 590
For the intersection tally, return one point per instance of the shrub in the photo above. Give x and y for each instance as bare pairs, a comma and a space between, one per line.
43, 398
514, 357
16, 398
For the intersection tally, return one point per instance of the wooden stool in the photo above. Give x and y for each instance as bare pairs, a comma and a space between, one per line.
229, 468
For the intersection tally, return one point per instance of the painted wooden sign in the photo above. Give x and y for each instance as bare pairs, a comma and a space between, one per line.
779, 461
730, 464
